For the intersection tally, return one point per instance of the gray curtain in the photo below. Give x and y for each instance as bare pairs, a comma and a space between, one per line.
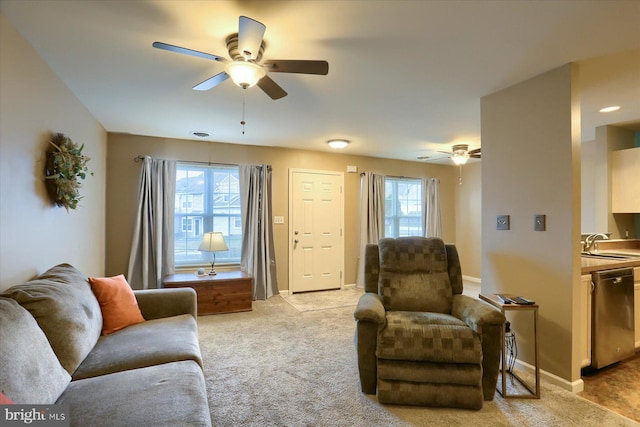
152, 253
371, 216
431, 221
258, 255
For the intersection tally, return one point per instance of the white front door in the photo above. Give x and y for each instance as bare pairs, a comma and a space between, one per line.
315, 230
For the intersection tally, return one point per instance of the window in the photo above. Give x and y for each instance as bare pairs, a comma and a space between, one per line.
402, 207
207, 199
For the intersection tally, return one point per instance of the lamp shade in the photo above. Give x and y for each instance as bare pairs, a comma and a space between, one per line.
213, 242
245, 74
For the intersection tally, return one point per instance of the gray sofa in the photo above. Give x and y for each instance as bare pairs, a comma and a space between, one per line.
147, 374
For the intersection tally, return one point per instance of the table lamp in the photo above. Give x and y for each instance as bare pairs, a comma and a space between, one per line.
213, 242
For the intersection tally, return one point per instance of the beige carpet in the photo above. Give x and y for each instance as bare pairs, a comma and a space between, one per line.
294, 365
322, 300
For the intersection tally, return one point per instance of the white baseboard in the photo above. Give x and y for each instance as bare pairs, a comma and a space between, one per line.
472, 279
574, 387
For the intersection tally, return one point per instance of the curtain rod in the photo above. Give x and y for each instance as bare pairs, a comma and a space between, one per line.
392, 176
139, 158
400, 177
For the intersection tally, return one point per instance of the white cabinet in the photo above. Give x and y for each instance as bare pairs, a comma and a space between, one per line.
625, 185
585, 320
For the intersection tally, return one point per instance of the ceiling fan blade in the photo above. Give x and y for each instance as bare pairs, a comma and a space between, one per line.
293, 66
186, 51
475, 151
250, 34
475, 156
271, 88
212, 82
446, 152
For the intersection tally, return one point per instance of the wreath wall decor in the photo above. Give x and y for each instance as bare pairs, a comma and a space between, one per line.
65, 168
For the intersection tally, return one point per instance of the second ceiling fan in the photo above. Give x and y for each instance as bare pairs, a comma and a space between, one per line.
245, 50
460, 153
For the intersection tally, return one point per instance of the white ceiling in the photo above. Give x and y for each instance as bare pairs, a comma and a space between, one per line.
405, 77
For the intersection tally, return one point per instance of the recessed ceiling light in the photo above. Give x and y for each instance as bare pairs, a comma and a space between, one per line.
200, 134
338, 144
610, 109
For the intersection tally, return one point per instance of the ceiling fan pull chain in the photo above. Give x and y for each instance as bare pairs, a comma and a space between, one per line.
242, 122
460, 177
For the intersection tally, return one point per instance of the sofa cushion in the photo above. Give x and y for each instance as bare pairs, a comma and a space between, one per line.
172, 394
414, 275
29, 370
118, 305
145, 344
62, 303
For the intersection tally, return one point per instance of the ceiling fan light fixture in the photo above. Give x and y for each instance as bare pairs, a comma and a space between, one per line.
338, 144
244, 73
460, 154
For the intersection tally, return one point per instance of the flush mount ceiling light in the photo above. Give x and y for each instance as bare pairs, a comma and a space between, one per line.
338, 144
610, 109
244, 73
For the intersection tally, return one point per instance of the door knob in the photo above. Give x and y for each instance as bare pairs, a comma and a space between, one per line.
295, 241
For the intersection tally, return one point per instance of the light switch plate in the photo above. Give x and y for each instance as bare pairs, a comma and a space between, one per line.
502, 222
278, 220
539, 222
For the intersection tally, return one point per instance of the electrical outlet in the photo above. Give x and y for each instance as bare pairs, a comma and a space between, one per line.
539, 223
502, 222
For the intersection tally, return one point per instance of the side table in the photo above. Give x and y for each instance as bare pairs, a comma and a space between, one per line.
225, 292
533, 308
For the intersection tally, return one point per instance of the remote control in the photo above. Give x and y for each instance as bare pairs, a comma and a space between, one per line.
503, 299
523, 301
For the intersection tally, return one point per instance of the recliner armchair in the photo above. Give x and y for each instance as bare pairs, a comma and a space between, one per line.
419, 340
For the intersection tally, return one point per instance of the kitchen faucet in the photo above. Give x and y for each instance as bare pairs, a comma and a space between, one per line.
591, 239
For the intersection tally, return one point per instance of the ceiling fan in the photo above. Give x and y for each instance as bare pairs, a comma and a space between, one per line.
245, 50
460, 153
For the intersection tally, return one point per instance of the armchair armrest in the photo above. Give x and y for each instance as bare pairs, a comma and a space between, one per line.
159, 303
487, 322
371, 317
370, 309
476, 313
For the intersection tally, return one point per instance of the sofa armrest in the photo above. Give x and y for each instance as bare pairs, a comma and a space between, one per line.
370, 309
159, 303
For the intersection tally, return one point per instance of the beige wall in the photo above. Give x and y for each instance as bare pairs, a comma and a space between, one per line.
469, 219
531, 163
34, 235
123, 173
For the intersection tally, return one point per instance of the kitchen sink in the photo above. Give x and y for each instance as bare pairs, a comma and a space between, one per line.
611, 255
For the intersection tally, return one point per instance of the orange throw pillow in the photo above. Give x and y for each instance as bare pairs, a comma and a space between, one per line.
117, 302
4, 400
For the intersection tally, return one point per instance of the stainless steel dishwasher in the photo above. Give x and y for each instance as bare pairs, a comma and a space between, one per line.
613, 316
